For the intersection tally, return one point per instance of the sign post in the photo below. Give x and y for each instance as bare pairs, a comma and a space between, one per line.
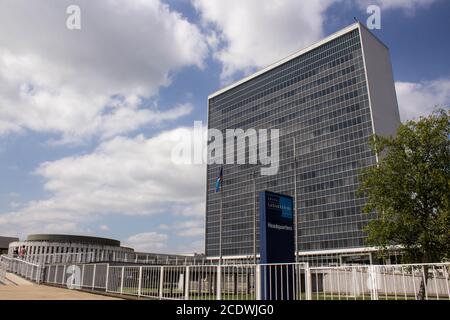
276, 245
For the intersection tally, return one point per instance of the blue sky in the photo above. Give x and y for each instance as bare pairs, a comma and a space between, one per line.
88, 118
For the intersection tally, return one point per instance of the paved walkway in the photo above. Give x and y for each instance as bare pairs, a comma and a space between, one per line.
11, 278
30, 291
35, 292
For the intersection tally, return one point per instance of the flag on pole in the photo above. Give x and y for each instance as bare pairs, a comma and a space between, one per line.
219, 180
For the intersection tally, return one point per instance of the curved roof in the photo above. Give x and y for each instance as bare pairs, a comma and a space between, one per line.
73, 238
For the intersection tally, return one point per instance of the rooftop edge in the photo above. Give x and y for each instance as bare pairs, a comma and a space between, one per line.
296, 54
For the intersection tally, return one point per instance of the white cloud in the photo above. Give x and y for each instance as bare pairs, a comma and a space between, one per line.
191, 228
250, 34
188, 235
93, 81
104, 227
256, 33
420, 99
197, 246
130, 176
192, 232
148, 242
14, 204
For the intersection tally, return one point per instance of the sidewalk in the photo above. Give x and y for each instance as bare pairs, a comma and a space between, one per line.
42, 292
15, 279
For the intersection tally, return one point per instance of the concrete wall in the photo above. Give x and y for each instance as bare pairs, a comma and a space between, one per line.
4, 243
383, 98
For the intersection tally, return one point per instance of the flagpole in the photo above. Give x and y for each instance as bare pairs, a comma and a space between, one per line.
221, 184
254, 216
220, 225
295, 203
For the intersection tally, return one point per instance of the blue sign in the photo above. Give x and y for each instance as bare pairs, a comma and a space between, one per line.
276, 245
276, 228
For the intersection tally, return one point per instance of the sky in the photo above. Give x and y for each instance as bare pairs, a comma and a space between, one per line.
89, 117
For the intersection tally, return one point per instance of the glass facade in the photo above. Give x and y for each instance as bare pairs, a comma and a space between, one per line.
321, 99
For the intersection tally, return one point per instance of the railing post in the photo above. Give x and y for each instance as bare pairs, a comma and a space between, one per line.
48, 274
373, 282
56, 274
219, 283
140, 281
447, 279
39, 274
161, 282
107, 277
82, 276
64, 275
308, 285
121, 280
258, 282
93, 276
186, 285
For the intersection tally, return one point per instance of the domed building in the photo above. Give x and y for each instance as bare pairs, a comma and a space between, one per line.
58, 248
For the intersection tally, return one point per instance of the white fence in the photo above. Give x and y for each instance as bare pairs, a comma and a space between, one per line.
261, 282
383, 282
161, 282
25, 269
91, 257
3, 267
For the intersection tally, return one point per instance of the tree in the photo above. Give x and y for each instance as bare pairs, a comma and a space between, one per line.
409, 189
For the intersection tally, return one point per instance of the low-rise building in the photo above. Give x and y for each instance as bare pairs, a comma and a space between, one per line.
4, 243
65, 248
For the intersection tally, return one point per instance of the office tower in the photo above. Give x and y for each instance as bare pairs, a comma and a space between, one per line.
331, 96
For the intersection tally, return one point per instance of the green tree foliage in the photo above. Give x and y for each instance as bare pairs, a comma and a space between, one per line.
410, 190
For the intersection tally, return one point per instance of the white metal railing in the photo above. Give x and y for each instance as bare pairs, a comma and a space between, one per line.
247, 281
96, 257
161, 282
3, 268
263, 282
381, 282
25, 269
54, 258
